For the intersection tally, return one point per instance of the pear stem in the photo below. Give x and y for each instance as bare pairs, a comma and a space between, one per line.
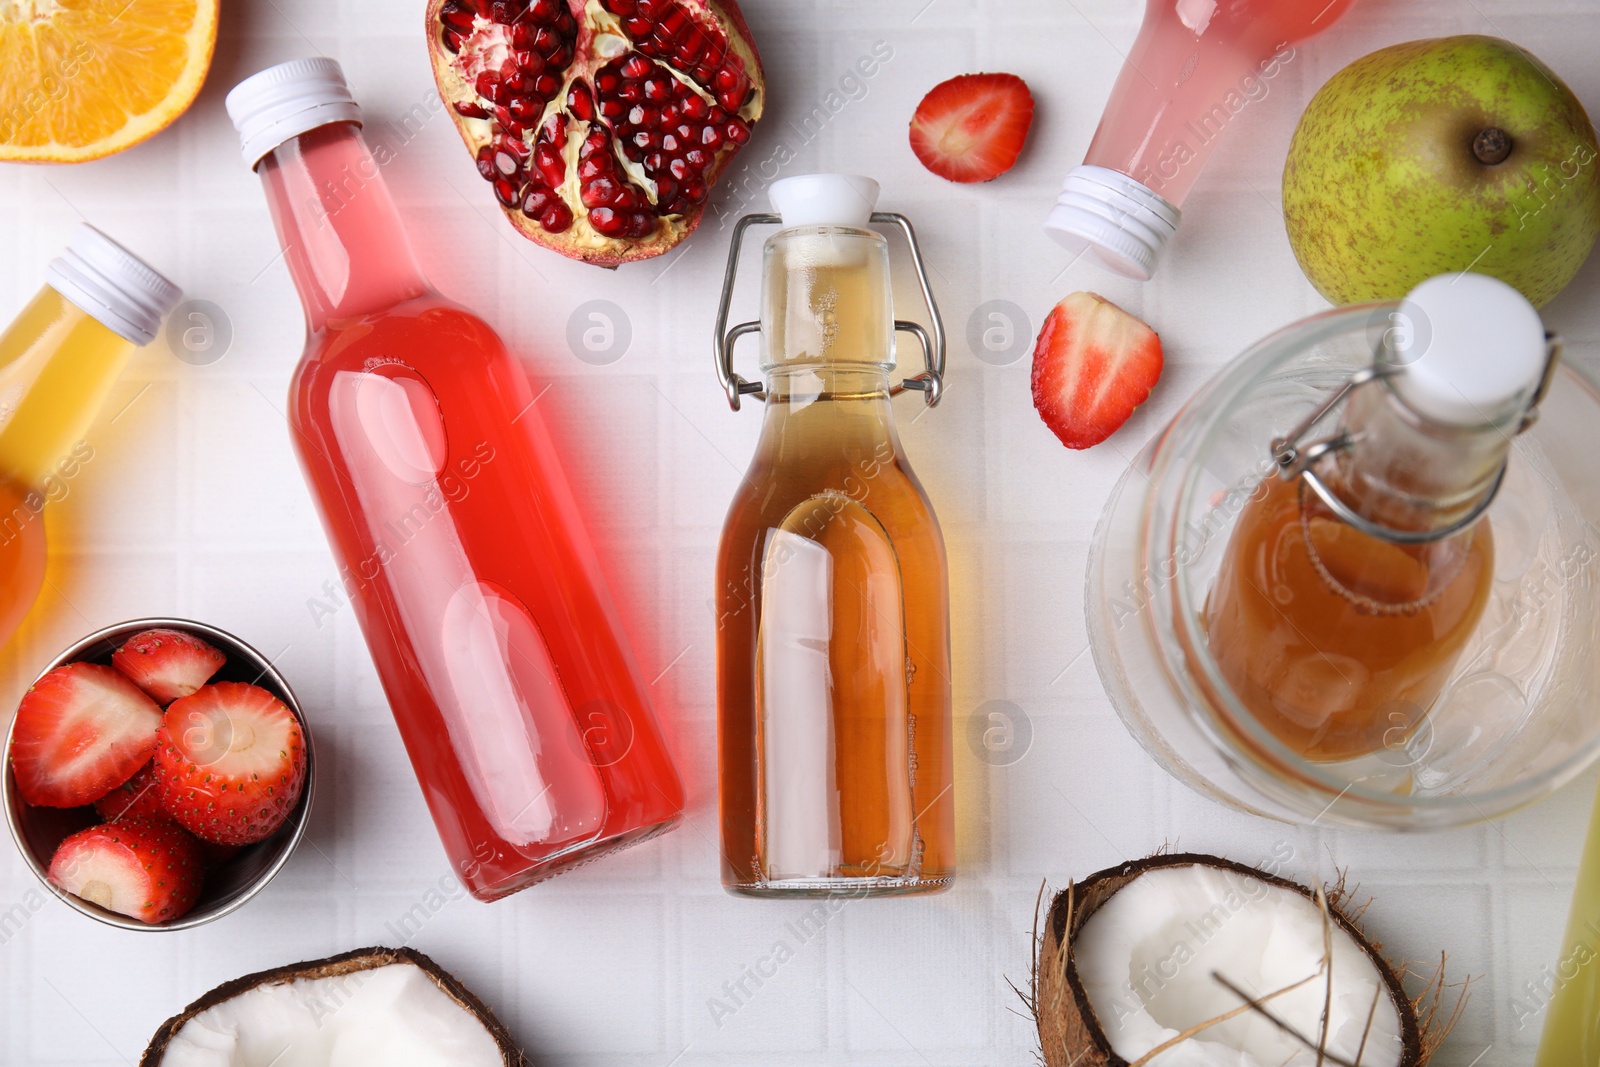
1492, 146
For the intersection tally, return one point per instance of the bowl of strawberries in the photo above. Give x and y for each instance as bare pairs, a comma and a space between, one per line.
158, 774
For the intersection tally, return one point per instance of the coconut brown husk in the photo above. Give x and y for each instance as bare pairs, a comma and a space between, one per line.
348, 963
1071, 1036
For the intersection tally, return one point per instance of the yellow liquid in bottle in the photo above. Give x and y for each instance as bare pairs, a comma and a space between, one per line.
1571, 1035
1337, 642
833, 629
57, 366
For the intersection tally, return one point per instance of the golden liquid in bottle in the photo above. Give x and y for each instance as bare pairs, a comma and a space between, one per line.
833, 631
1335, 641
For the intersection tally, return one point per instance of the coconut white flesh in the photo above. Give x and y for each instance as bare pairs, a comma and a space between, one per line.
392, 1015
1147, 959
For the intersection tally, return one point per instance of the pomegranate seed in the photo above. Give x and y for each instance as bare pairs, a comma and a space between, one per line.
654, 161
547, 160
452, 41
545, 85
537, 200
517, 83
611, 109
638, 27
669, 115
675, 21
632, 92
652, 9
643, 225
522, 35
543, 10
529, 62
695, 190
716, 116
685, 132
695, 108
636, 67
666, 189
525, 111
608, 222
565, 23
557, 219
656, 90
727, 78
517, 147
733, 99
590, 169
506, 163
606, 81
594, 142
669, 144
544, 40
485, 161
603, 190
737, 132
642, 116
627, 199
678, 169
696, 158
693, 46
469, 110
456, 18
710, 137
580, 103
621, 7
646, 140
488, 86
505, 191
559, 57
481, 7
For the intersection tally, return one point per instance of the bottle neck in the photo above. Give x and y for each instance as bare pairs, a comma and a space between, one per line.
342, 236
1408, 473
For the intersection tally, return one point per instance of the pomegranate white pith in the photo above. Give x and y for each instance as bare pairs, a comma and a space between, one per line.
599, 124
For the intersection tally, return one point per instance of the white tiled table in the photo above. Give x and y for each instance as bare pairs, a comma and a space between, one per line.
194, 507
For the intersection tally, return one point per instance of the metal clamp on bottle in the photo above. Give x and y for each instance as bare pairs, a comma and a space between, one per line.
1295, 460
930, 382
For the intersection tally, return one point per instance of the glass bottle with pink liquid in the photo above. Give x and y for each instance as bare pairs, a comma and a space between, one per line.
459, 540
1195, 66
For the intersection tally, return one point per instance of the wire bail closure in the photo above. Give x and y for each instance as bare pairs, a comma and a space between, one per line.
1295, 461
930, 382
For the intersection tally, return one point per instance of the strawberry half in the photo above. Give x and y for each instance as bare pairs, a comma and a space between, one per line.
972, 128
1093, 364
144, 868
81, 731
167, 664
231, 761
137, 798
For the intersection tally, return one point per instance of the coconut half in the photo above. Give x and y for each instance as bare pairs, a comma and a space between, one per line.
392, 1006
1196, 961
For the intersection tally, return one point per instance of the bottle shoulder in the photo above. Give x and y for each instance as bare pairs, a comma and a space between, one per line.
425, 332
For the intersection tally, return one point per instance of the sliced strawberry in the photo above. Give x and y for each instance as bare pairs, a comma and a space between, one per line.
137, 798
231, 762
148, 869
167, 664
971, 128
1094, 363
81, 731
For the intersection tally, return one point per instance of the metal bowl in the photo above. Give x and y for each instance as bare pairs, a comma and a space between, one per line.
37, 831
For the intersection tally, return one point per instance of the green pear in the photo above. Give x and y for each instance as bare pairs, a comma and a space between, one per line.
1442, 155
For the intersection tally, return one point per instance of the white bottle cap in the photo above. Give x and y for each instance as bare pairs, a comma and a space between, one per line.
1121, 221
113, 285
270, 107
1473, 350
824, 200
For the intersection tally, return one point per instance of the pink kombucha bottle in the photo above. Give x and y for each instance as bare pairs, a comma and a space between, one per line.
459, 541
1194, 67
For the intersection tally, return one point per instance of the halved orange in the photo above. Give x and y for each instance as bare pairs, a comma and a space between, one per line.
81, 79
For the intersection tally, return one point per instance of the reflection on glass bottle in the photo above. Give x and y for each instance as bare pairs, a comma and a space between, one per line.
1351, 585
832, 602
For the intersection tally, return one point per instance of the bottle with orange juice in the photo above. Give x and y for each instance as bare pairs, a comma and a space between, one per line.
58, 362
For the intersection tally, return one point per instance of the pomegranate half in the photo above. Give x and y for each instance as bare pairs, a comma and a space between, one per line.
600, 124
